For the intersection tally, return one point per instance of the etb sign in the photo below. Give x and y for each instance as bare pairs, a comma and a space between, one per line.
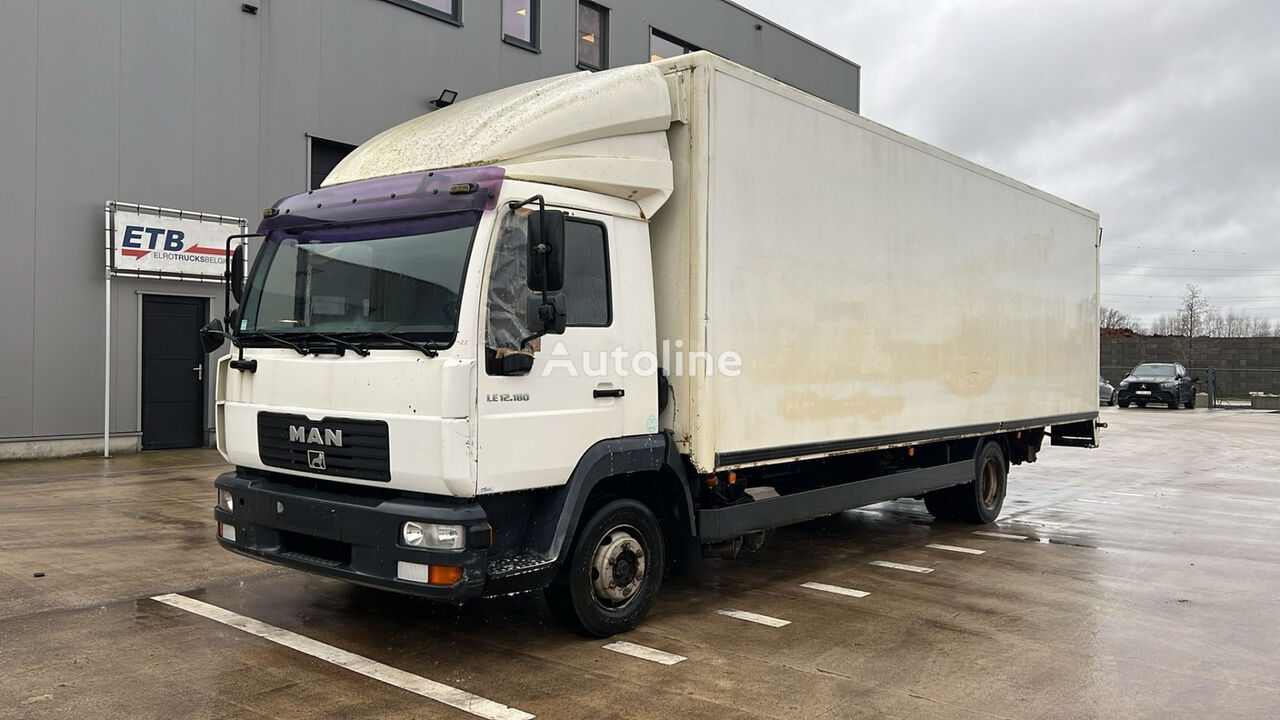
145, 240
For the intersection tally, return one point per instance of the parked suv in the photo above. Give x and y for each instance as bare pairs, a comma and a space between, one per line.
1166, 383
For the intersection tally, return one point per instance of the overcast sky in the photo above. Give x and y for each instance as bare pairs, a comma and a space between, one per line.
1164, 117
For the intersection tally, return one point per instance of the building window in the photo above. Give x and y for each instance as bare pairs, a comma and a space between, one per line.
520, 23
663, 46
449, 11
324, 157
593, 36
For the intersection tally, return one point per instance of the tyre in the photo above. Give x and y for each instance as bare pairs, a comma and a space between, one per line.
1190, 404
1124, 403
1111, 401
611, 577
979, 500
939, 503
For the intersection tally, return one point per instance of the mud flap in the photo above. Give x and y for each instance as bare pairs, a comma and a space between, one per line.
1083, 433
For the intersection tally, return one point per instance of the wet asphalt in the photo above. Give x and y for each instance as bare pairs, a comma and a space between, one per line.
1146, 587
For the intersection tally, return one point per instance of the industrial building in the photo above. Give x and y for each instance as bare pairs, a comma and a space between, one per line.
204, 112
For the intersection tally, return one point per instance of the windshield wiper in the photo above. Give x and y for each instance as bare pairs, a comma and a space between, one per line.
358, 349
420, 347
276, 339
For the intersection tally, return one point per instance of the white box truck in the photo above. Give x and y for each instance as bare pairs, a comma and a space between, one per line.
561, 335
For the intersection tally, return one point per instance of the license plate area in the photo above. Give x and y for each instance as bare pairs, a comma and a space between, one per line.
304, 516
1143, 392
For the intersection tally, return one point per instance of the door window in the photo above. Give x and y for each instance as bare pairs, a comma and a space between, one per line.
586, 283
586, 275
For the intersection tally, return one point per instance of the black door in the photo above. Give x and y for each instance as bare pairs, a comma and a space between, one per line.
172, 372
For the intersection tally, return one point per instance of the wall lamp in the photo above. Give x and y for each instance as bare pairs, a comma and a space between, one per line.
446, 98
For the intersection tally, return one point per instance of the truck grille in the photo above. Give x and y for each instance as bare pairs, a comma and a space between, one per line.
333, 446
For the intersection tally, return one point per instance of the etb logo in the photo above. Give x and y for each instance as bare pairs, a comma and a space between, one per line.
137, 237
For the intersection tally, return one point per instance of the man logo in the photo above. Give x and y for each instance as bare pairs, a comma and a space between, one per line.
315, 459
312, 436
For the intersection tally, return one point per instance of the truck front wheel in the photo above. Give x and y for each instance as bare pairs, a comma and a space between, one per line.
610, 579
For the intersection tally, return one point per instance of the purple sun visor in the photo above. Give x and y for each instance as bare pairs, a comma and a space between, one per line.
398, 197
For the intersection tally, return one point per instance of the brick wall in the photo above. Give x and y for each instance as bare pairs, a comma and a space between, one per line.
1241, 365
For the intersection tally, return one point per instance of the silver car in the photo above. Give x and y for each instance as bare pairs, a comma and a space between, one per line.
1106, 393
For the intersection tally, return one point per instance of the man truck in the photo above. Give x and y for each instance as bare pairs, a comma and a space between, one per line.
559, 336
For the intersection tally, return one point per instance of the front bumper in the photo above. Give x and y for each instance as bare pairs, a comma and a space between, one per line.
1155, 396
350, 537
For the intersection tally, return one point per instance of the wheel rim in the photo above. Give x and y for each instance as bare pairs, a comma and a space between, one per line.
990, 483
618, 567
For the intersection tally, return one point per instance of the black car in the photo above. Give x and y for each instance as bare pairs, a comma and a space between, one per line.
1167, 383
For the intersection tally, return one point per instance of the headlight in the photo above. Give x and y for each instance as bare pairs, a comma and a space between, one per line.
1124, 384
225, 501
1169, 384
433, 536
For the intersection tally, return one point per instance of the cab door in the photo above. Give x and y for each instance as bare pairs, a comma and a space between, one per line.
533, 427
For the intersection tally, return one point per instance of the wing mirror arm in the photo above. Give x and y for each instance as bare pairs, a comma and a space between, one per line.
546, 258
233, 287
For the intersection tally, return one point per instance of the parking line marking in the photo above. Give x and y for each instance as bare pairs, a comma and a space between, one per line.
1002, 536
645, 653
850, 592
900, 566
957, 548
753, 617
1096, 502
418, 685
1126, 494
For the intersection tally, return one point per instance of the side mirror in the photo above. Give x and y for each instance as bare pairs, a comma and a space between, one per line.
212, 336
509, 364
547, 318
546, 251
236, 273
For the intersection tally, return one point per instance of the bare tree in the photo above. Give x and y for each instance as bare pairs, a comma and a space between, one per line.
1165, 325
1194, 314
1113, 319
1231, 324
1192, 320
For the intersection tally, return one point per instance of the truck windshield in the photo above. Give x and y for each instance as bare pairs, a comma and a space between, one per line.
1153, 370
401, 277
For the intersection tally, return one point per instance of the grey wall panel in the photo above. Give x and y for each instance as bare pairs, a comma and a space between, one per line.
156, 102
77, 169
382, 72
728, 30
290, 94
227, 73
17, 214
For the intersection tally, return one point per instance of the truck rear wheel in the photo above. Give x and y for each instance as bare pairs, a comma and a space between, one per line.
979, 500
611, 577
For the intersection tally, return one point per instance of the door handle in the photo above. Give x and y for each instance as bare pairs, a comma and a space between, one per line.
607, 392
199, 371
